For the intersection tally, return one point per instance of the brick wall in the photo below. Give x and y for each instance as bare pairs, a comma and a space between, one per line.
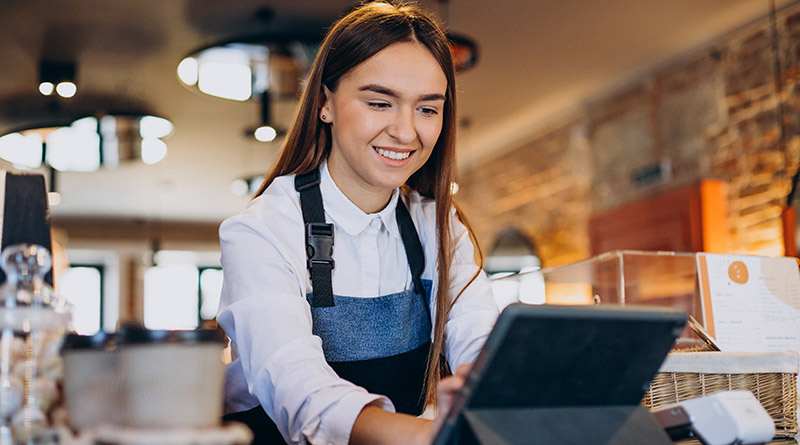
713, 114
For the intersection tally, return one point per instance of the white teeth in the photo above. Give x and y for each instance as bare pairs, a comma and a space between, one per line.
392, 154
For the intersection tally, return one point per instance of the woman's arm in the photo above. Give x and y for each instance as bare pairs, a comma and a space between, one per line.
377, 426
264, 311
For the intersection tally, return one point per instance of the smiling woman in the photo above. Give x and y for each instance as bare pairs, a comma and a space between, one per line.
385, 118
368, 162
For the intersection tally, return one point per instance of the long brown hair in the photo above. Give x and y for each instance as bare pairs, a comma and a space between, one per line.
352, 40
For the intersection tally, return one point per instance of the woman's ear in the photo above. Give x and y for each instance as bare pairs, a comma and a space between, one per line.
325, 114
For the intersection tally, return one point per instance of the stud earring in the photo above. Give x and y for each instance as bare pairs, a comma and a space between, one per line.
324, 117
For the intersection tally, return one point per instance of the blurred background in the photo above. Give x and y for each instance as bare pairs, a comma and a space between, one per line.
679, 117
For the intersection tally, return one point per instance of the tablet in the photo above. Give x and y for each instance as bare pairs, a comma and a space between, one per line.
556, 356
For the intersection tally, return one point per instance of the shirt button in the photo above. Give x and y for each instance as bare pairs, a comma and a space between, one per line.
374, 223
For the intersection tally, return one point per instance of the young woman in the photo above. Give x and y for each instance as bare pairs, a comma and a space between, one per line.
346, 347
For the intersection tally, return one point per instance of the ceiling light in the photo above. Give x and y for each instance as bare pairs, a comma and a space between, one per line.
88, 143
247, 185
53, 198
133, 138
265, 133
153, 150
245, 69
187, 71
74, 148
58, 75
225, 73
239, 187
66, 89
154, 127
46, 88
23, 150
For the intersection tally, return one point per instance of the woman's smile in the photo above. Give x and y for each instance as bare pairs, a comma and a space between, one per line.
395, 155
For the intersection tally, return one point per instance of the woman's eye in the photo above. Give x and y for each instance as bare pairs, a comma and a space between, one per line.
378, 105
429, 111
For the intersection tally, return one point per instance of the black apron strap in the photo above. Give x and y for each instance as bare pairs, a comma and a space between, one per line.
413, 247
319, 238
319, 241
310, 197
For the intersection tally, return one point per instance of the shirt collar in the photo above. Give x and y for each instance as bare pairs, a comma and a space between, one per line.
347, 215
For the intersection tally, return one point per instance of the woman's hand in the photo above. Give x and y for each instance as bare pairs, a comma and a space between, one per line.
446, 393
449, 387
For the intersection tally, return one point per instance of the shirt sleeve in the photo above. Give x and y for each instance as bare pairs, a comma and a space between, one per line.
264, 312
475, 312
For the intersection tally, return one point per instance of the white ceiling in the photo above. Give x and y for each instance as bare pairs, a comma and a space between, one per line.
538, 60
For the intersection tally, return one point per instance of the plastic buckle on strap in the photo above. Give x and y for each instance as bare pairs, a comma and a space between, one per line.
319, 244
304, 182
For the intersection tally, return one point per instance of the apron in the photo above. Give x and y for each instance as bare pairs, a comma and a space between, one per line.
379, 343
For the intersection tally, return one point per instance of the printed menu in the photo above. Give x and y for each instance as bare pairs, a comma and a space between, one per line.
750, 303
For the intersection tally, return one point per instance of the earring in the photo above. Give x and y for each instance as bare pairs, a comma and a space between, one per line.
324, 117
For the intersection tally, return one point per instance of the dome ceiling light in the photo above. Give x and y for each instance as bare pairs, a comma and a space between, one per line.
246, 186
79, 133
245, 70
88, 143
263, 69
270, 68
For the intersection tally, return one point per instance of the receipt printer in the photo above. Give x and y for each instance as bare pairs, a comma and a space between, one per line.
729, 417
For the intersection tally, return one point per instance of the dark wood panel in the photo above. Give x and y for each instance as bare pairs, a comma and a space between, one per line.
137, 229
690, 218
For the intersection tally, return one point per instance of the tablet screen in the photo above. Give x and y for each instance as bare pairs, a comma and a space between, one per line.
569, 356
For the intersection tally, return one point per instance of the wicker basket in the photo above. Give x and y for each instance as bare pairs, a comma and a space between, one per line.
771, 377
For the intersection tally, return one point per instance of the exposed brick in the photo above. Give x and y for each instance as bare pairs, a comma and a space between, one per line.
714, 113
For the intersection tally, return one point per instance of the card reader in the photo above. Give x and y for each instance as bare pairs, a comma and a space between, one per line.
728, 417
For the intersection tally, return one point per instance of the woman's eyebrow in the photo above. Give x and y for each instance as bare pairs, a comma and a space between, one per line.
389, 92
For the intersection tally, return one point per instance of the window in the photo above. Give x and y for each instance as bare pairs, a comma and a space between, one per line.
82, 286
210, 288
170, 297
515, 269
179, 293
90, 283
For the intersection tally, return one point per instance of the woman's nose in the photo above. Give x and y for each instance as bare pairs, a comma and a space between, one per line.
402, 127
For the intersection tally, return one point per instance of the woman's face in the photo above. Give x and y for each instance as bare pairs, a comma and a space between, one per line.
385, 116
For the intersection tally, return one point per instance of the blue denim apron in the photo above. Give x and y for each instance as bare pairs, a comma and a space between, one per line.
380, 343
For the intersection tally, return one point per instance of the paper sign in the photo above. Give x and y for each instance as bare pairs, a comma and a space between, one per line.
750, 303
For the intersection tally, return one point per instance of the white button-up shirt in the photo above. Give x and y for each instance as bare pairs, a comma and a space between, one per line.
278, 362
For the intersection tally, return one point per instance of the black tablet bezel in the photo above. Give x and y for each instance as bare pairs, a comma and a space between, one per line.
636, 339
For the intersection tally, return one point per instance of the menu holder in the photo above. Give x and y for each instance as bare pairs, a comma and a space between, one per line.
564, 375
750, 303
